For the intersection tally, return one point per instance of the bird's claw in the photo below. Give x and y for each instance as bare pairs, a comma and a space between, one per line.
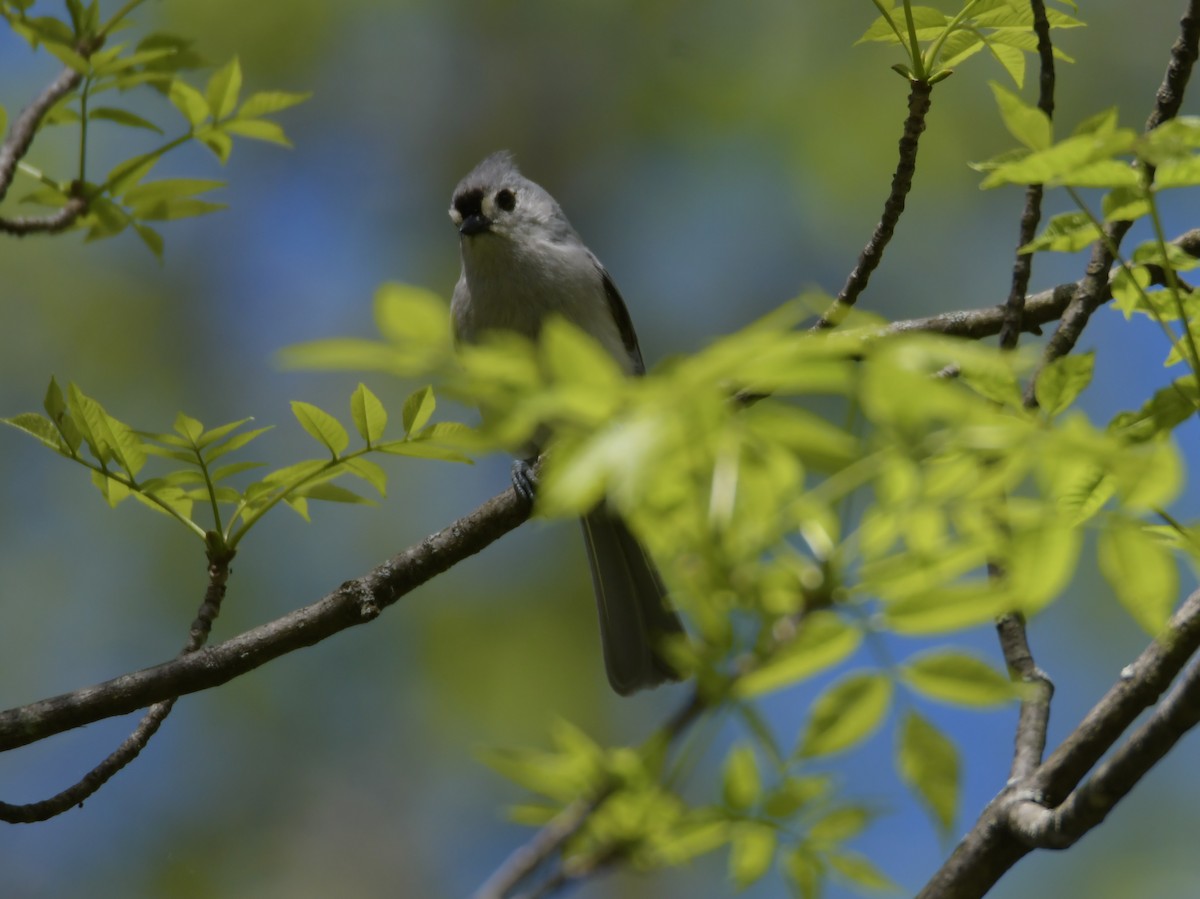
524, 480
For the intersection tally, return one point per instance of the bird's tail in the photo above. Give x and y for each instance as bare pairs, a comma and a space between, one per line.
634, 617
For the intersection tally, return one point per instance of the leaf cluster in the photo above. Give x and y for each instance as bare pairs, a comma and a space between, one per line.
161, 62
78, 427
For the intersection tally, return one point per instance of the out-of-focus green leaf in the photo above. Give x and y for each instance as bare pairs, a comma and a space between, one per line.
221, 93
1060, 382
751, 850
957, 677
846, 714
258, 129
822, 641
928, 763
189, 101
266, 102
1165, 410
1141, 570
122, 117
840, 824
860, 871
805, 871
741, 785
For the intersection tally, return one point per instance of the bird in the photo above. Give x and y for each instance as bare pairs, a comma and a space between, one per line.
522, 262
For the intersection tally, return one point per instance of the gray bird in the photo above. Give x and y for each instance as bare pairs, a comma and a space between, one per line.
522, 261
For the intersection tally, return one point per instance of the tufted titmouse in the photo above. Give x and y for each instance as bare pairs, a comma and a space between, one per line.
522, 261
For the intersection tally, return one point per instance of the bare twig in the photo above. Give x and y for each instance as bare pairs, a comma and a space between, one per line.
1093, 288
869, 259
20, 135
355, 602
544, 844
131, 746
1032, 212
1030, 742
48, 224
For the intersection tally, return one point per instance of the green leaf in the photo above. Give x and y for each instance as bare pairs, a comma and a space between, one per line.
822, 641
107, 437
188, 428
38, 427
188, 101
1060, 382
1162, 413
418, 409
226, 471
218, 142
122, 117
113, 491
267, 102
951, 676
846, 714
332, 493
234, 443
169, 210
751, 850
741, 785
223, 89
1141, 570
421, 449
860, 871
168, 189
369, 472
928, 763
1026, 123
258, 129
151, 238
806, 871
1068, 232
130, 172
68, 56
794, 793
370, 417
321, 426
840, 824
3, 120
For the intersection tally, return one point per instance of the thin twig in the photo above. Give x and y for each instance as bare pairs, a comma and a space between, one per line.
131, 746
20, 135
918, 107
1094, 286
1034, 717
1031, 214
355, 602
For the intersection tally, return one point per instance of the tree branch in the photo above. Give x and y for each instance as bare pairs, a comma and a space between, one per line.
20, 136
1032, 212
914, 125
355, 602
1093, 289
1004, 833
131, 746
1030, 742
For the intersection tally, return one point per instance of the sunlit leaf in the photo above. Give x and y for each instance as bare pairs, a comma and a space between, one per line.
321, 426
1141, 570
957, 677
928, 763
847, 713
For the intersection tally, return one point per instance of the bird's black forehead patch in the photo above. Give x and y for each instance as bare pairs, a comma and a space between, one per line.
469, 202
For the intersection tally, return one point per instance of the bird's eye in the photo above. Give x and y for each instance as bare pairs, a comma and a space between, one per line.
506, 199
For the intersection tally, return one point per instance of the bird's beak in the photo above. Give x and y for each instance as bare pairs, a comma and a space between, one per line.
474, 224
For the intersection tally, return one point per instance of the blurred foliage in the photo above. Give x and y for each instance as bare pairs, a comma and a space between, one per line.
789, 540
